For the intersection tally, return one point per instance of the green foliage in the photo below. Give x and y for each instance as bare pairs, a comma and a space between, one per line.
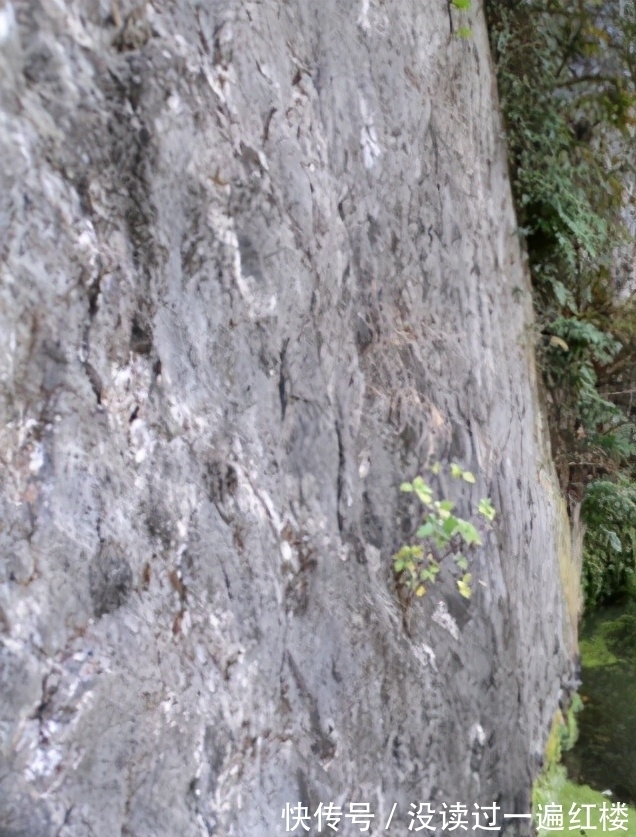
551, 782
567, 80
609, 512
569, 730
554, 788
442, 533
486, 509
564, 75
463, 6
608, 729
576, 350
621, 636
568, 120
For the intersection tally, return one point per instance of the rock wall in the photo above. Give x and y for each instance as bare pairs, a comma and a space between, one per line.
258, 266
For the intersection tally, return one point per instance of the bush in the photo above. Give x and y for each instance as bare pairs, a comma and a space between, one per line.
609, 567
441, 534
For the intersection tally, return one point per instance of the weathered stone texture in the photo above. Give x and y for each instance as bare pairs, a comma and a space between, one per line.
258, 265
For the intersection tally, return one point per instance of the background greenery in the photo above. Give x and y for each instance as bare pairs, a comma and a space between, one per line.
567, 80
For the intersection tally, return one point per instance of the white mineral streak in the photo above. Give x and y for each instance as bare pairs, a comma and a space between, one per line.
445, 620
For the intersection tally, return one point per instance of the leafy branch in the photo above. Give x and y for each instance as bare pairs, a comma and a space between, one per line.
442, 533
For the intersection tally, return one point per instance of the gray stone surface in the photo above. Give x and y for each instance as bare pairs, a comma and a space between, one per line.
258, 265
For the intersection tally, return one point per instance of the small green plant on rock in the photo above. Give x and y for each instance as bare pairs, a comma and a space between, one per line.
442, 534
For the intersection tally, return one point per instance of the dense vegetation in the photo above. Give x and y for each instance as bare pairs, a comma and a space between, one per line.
567, 80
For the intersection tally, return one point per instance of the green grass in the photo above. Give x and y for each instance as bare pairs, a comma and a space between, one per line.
605, 752
555, 788
605, 756
593, 645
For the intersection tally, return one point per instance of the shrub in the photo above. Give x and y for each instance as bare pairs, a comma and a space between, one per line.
609, 511
441, 533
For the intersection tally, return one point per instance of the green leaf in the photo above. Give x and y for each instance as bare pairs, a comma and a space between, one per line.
463, 585
564, 297
461, 561
398, 565
446, 505
407, 487
468, 477
450, 526
486, 509
436, 468
462, 5
468, 532
423, 491
425, 531
456, 471
464, 32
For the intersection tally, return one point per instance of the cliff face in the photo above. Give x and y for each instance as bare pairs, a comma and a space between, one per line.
258, 267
